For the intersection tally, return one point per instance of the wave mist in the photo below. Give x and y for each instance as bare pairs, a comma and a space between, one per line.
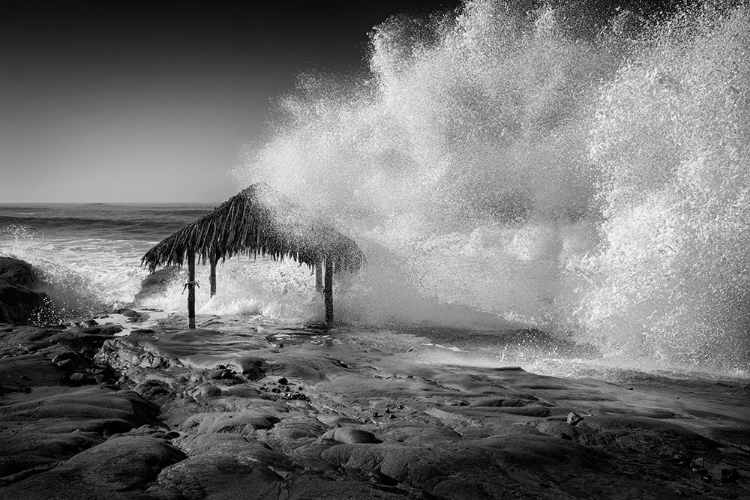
581, 169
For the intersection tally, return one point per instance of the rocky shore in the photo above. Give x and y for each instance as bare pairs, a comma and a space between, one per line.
105, 408
173, 414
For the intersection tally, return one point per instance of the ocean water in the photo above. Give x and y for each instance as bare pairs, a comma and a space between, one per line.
89, 255
581, 171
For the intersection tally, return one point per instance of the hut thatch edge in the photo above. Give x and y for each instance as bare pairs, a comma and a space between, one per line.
258, 221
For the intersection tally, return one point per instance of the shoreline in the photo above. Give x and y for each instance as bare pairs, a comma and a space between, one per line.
294, 414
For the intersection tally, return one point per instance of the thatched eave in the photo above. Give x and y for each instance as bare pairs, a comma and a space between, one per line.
258, 221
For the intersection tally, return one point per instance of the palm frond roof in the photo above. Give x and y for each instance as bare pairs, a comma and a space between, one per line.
258, 221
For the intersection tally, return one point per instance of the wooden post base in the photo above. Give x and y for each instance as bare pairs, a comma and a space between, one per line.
191, 290
328, 291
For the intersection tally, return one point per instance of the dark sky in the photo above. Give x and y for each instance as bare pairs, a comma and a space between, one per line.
128, 101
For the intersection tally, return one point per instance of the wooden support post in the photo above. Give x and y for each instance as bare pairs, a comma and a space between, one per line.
328, 291
319, 277
212, 261
191, 289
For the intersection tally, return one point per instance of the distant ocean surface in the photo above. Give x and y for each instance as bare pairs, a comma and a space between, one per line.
91, 252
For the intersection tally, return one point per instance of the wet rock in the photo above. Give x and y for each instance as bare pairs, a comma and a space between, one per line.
153, 389
221, 374
157, 282
242, 423
210, 391
350, 435
19, 300
419, 466
66, 364
728, 474
28, 370
117, 465
17, 271
218, 476
452, 488
574, 418
630, 433
48, 427
244, 391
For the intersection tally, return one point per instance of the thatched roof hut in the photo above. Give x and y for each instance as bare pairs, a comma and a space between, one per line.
259, 221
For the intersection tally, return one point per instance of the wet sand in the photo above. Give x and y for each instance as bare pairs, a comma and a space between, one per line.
236, 411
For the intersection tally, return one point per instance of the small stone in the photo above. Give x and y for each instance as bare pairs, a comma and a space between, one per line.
574, 418
78, 377
375, 414
283, 381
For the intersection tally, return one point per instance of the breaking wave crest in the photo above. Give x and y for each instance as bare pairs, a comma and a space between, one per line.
583, 169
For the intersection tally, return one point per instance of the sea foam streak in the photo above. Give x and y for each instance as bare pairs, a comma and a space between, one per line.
585, 176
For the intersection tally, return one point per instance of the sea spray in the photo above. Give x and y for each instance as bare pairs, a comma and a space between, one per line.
578, 169
246, 286
672, 140
464, 156
81, 277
